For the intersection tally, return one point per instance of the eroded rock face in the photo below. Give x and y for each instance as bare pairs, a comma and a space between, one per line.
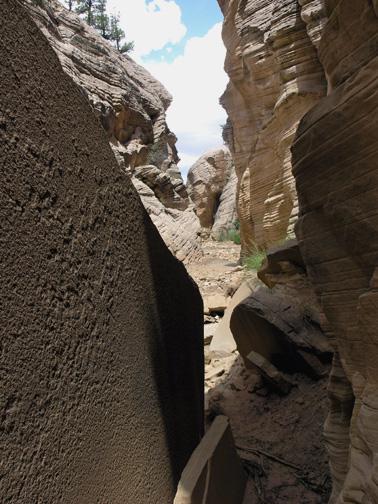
334, 158
131, 106
101, 358
212, 187
275, 77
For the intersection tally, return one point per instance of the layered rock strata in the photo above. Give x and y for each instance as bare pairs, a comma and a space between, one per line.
275, 77
101, 358
212, 186
334, 158
131, 106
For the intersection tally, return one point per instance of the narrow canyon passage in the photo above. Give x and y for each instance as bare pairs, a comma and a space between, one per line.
206, 337
277, 424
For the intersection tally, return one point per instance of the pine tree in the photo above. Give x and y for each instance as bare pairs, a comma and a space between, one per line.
116, 32
86, 7
117, 35
101, 18
69, 4
127, 47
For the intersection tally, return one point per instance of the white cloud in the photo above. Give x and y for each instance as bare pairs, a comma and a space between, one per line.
187, 160
196, 80
150, 24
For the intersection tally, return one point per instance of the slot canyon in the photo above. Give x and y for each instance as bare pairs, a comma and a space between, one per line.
189, 339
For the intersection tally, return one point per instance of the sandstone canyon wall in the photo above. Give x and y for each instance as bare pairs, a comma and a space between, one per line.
275, 77
101, 357
334, 151
212, 186
131, 106
335, 166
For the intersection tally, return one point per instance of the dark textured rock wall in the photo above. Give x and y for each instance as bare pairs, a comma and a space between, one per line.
101, 345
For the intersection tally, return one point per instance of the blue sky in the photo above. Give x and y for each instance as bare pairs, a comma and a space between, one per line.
179, 42
198, 16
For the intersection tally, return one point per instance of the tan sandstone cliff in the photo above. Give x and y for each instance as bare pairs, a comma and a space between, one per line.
335, 166
101, 347
131, 106
334, 163
212, 187
275, 77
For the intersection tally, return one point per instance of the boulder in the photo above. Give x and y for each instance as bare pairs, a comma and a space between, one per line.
101, 344
215, 303
212, 187
277, 327
223, 342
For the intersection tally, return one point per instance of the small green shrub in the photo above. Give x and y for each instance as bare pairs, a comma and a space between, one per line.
255, 260
232, 234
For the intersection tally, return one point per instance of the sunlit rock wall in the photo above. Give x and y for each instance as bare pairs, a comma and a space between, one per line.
212, 187
131, 106
335, 165
101, 348
275, 77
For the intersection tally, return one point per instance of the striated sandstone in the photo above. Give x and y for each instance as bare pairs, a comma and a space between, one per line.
226, 215
334, 159
131, 106
212, 187
101, 351
275, 77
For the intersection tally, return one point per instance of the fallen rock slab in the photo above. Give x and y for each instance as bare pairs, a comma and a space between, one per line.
209, 331
216, 303
223, 342
214, 473
276, 326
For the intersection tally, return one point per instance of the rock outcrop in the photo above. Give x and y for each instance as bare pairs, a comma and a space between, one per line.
101, 354
334, 159
131, 106
284, 323
212, 187
275, 77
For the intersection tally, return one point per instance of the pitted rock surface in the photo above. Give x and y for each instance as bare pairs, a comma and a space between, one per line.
101, 359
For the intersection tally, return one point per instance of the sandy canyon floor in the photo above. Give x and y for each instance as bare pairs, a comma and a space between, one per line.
278, 438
